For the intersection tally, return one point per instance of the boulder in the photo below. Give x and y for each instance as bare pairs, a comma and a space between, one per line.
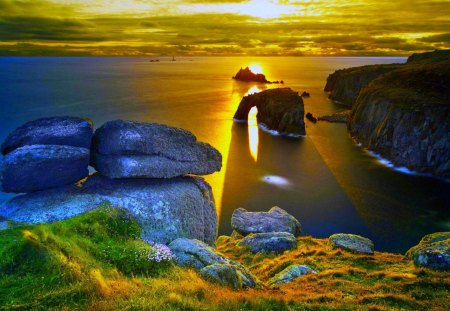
351, 242
276, 242
38, 167
276, 220
247, 75
127, 149
224, 274
164, 209
68, 131
433, 252
280, 110
195, 254
289, 274
211, 264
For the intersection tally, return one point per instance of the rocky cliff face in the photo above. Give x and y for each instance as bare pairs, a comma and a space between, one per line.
344, 85
404, 116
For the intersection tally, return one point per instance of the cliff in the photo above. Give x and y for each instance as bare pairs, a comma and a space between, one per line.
404, 114
344, 85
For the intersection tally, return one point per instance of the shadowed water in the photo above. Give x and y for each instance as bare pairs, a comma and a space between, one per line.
325, 180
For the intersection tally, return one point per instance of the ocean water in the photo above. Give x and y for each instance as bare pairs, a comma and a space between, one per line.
324, 179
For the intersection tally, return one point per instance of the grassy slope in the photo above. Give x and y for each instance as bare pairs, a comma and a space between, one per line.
90, 262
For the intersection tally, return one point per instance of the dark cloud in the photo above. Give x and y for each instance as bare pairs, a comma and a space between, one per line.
367, 27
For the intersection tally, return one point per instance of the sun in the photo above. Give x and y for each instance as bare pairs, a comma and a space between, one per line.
255, 68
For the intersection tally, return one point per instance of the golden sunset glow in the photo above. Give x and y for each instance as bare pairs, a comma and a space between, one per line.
222, 27
253, 133
255, 68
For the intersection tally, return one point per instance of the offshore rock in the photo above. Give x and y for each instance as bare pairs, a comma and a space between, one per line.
164, 209
351, 242
276, 220
339, 117
276, 242
280, 110
433, 252
69, 131
211, 264
38, 167
127, 149
248, 76
289, 274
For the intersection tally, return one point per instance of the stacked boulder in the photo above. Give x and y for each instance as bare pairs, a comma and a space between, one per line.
142, 167
46, 153
273, 231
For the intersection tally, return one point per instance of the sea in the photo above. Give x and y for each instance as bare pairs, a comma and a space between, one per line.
328, 182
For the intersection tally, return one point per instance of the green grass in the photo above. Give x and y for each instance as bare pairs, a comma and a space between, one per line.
96, 261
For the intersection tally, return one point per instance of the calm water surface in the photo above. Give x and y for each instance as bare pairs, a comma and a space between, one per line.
325, 180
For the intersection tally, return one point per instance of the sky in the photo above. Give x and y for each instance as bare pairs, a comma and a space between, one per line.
223, 27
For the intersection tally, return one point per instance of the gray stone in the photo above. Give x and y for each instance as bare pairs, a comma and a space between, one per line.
433, 252
126, 149
289, 274
164, 209
144, 166
38, 167
276, 220
277, 242
211, 264
195, 254
228, 275
69, 131
351, 242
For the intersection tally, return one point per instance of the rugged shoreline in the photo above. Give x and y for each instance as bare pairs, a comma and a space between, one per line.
401, 112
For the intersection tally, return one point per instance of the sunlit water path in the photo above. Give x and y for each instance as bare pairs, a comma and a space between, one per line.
325, 180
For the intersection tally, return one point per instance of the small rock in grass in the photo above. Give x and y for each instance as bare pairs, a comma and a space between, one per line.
351, 242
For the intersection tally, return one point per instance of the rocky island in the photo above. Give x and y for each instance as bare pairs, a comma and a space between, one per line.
247, 75
401, 112
279, 110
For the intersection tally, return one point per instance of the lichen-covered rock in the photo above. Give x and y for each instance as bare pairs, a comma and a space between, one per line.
228, 275
127, 149
433, 252
68, 131
351, 242
165, 209
289, 274
195, 254
211, 264
280, 110
276, 220
39, 167
276, 242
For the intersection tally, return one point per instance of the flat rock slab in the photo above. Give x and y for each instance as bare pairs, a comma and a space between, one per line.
69, 131
39, 167
351, 242
164, 209
212, 265
127, 149
289, 274
433, 252
276, 220
277, 242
